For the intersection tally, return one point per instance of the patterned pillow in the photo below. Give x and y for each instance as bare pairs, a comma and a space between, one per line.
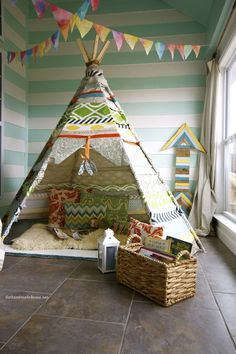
57, 197
142, 229
117, 206
79, 215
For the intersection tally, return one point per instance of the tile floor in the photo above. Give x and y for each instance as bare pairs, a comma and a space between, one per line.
67, 306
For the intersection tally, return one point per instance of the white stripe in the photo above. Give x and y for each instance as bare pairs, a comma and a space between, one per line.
168, 174
38, 123
118, 19
12, 171
14, 118
147, 95
16, 12
7, 198
122, 71
14, 37
14, 91
70, 48
154, 147
35, 147
165, 121
13, 144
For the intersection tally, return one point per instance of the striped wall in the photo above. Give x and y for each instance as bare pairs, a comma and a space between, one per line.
156, 96
15, 106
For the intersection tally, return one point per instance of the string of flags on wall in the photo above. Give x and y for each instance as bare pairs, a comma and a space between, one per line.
68, 21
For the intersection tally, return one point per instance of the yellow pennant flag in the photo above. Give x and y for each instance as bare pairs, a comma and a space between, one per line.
101, 31
41, 48
147, 44
131, 40
74, 22
84, 26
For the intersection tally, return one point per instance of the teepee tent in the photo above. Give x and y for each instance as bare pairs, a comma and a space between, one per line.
93, 146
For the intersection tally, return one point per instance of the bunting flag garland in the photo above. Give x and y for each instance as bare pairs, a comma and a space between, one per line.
67, 21
118, 38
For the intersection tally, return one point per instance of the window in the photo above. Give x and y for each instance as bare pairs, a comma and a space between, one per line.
230, 139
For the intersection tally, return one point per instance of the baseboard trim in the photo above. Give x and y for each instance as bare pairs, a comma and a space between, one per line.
226, 231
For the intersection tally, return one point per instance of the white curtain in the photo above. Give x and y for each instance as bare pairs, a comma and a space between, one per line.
204, 202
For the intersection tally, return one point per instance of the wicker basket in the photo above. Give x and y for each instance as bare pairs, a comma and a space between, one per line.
163, 282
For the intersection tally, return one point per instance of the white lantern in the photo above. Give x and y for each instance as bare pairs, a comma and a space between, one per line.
107, 250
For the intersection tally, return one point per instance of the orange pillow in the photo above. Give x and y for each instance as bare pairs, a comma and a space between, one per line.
143, 230
57, 197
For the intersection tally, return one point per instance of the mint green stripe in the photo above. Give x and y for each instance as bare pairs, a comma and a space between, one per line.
12, 184
15, 131
31, 159
39, 135
14, 24
10, 46
24, 5
137, 108
168, 160
15, 158
47, 111
15, 78
116, 58
107, 6
160, 134
122, 83
15, 104
3, 211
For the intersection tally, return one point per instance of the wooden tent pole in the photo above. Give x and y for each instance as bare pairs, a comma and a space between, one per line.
102, 52
83, 51
95, 47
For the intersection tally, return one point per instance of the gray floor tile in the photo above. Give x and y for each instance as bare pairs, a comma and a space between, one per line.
52, 261
227, 305
15, 308
88, 270
221, 278
34, 277
47, 335
175, 330
10, 261
94, 300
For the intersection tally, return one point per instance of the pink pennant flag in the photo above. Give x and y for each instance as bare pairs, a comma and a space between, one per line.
147, 44
171, 48
40, 7
187, 50
63, 19
131, 40
118, 38
94, 4
101, 31
196, 49
180, 48
22, 56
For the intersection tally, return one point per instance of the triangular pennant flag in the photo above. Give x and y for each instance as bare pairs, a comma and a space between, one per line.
48, 44
196, 49
180, 48
22, 56
35, 51
55, 39
63, 19
160, 48
94, 4
171, 48
40, 7
147, 44
187, 50
10, 56
29, 53
41, 48
73, 22
83, 9
118, 38
84, 26
131, 40
101, 31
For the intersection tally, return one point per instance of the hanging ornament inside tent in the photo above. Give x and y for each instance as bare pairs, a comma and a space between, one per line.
87, 165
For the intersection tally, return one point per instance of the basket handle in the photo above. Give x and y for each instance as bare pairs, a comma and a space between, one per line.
131, 237
182, 253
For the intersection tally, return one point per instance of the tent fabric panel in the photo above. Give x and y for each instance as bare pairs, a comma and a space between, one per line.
63, 148
111, 149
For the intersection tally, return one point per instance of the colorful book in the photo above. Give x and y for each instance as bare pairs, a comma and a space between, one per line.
162, 256
179, 245
157, 244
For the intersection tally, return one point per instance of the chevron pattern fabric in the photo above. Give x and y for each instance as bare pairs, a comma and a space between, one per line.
79, 215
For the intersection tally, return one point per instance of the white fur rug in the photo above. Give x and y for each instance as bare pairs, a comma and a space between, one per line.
38, 237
